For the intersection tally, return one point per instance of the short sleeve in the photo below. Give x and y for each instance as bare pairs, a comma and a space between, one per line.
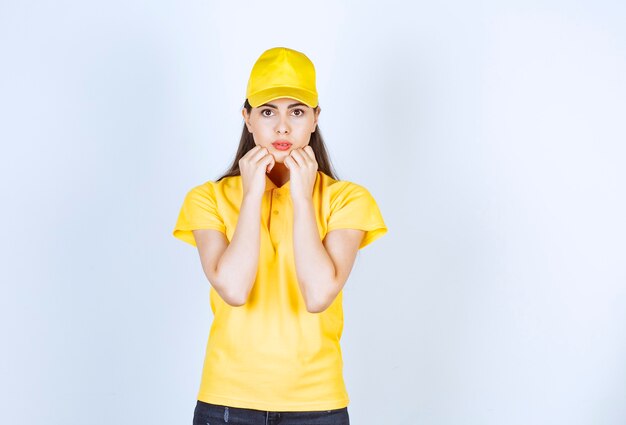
353, 207
199, 211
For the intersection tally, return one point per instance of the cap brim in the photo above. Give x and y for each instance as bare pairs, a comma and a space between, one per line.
264, 96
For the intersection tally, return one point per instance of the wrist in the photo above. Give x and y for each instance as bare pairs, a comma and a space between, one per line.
252, 198
299, 203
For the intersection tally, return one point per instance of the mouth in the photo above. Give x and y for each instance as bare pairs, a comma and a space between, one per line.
281, 145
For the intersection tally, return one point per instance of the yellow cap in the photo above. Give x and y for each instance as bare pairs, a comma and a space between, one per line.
282, 72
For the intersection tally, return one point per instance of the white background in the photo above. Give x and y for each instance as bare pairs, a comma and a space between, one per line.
491, 134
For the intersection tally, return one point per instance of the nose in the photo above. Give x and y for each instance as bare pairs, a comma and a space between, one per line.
283, 126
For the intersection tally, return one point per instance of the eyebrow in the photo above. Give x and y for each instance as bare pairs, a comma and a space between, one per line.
293, 105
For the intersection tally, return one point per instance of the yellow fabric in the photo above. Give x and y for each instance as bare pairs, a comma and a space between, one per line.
271, 353
282, 72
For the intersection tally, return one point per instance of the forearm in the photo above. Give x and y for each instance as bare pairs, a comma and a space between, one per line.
236, 277
314, 268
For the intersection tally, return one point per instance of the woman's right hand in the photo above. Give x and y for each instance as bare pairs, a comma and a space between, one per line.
253, 166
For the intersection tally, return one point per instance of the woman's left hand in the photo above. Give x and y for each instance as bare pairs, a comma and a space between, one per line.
302, 173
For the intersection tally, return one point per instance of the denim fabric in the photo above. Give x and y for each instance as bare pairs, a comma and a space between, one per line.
215, 414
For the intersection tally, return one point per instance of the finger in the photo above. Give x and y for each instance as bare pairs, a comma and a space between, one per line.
309, 151
248, 155
289, 162
272, 163
266, 162
252, 153
262, 153
299, 157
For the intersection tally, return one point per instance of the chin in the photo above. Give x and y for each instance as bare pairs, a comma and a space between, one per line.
281, 154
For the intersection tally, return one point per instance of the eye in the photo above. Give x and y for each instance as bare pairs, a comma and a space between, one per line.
300, 112
263, 112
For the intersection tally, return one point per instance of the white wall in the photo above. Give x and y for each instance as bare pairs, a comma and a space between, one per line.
491, 134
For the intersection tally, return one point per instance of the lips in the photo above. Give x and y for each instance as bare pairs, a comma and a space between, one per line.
281, 144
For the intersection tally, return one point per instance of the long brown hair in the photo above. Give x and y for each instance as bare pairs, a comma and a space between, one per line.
247, 142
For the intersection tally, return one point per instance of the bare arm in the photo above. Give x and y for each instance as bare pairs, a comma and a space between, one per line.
222, 263
232, 268
322, 268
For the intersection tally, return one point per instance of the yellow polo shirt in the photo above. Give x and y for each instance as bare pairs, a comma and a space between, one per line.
271, 353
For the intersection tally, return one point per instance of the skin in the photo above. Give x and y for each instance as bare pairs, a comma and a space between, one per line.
322, 267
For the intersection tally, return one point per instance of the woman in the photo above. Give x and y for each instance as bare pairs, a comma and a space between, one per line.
273, 354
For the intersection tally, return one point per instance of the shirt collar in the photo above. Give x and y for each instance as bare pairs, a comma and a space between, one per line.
269, 185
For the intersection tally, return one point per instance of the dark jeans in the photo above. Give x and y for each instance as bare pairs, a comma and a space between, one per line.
215, 414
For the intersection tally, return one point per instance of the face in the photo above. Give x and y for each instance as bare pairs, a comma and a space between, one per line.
281, 120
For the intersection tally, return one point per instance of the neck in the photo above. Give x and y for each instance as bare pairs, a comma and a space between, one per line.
279, 174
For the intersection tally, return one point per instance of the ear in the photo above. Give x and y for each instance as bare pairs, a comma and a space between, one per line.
246, 118
316, 117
